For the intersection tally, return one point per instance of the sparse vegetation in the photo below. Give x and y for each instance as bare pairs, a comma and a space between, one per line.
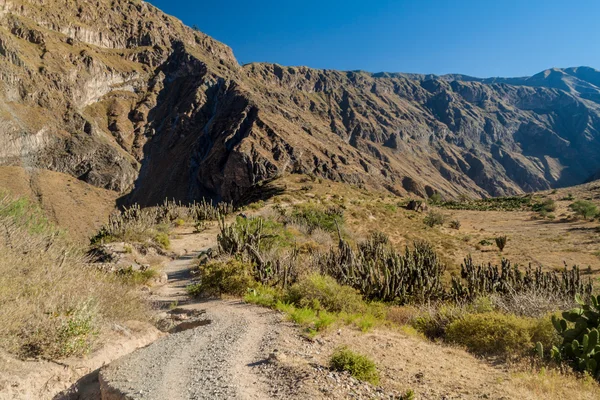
455, 224
358, 365
53, 305
434, 218
134, 224
514, 203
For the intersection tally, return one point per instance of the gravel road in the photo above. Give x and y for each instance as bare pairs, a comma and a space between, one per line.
218, 360
214, 361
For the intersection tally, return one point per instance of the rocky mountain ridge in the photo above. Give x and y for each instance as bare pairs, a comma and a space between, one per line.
126, 98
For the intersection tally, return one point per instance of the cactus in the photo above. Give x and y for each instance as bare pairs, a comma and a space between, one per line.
579, 329
477, 280
245, 238
380, 273
501, 242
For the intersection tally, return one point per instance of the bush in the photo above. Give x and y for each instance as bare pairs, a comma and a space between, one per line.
136, 277
359, 366
584, 209
544, 207
501, 242
434, 218
162, 239
315, 217
434, 321
500, 334
262, 295
323, 292
436, 198
455, 224
217, 278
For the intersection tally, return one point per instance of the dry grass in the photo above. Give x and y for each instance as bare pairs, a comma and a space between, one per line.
555, 385
51, 303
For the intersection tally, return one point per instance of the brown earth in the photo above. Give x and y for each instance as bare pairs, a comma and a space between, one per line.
78, 207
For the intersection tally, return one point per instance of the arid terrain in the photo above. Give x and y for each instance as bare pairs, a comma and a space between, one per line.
176, 225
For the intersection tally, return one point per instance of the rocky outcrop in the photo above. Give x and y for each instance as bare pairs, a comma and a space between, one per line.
126, 98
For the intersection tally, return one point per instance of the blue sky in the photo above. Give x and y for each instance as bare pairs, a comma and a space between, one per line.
482, 38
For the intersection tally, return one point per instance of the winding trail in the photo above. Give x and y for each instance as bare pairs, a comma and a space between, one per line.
217, 360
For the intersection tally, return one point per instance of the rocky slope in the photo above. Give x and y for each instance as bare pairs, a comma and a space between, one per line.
126, 98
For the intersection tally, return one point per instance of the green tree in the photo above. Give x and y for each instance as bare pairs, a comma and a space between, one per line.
585, 209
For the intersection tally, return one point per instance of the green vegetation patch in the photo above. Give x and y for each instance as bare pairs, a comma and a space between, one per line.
359, 366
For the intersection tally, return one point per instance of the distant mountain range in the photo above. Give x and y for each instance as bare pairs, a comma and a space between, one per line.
126, 98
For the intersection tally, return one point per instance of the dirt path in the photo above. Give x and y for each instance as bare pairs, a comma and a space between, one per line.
215, 360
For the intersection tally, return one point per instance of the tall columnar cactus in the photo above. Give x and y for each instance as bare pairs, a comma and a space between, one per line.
477, 280
380, 273
580, 331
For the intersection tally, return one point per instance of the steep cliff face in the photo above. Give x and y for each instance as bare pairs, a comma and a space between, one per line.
126, 98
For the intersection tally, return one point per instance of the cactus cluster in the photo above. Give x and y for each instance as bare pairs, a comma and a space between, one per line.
478, 280
138, 220
245, 238
580, 332
204, 210
380, 273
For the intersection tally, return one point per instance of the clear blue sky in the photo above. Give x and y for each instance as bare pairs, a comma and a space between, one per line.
482, 38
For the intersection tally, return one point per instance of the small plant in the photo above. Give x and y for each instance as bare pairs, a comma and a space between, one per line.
136, 277
501, 242
455, 224
163, 240
359, 366
585, 209
434, 218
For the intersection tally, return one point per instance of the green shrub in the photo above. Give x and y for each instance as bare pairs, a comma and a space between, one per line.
316, 217
434, 218
262, 295
544, 207
136, 277
359, 366
163, 240
434, 321
585, 209
499, 334
436, 198
492, 204
323, 292
231, 277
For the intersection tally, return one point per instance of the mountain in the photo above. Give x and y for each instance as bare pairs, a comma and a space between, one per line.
127, 98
